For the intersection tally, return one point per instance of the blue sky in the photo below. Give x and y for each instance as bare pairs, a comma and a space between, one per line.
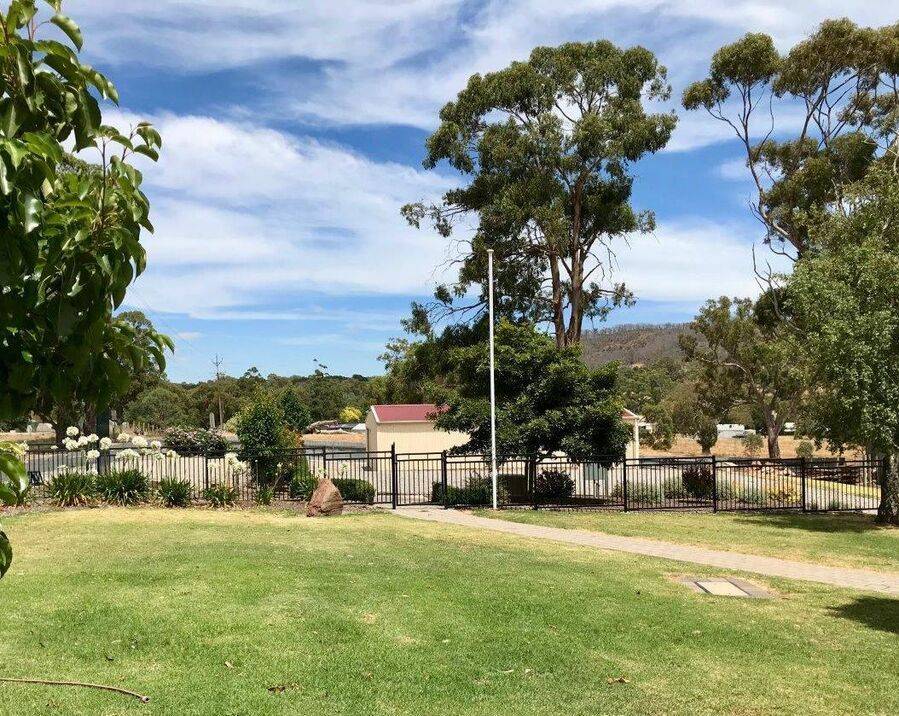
294, 131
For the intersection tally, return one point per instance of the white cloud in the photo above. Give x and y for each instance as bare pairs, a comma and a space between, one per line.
246, 214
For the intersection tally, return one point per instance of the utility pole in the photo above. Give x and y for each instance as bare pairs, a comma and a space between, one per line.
218, 375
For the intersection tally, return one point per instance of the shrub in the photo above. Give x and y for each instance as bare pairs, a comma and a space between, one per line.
122, 487
186, 441
553, 484
752, 444
174, 492
264, 496
477, 492
351, 414
355, 490
673, 488
263, 435
804, 448
296, 415
835, 504
727, 491
68, 489
303, 482
640, 492
751, 496
699, 481
14, 483
221, 495
783, 494
707, 435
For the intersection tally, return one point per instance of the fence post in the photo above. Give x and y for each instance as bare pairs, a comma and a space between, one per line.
205, 469
394, 477
802, 478
714, 484
532, 470
624, 480
443, 484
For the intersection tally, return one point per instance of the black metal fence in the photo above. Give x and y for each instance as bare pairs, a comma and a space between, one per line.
399, 479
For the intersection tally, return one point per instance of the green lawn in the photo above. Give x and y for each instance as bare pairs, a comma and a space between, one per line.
373, 614
842, 540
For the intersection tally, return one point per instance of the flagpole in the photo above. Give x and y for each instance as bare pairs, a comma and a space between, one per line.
492, 379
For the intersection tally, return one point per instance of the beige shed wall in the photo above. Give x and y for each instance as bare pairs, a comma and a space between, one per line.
411, 437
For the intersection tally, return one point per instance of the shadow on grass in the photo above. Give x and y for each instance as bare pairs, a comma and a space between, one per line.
881, 613
814, 522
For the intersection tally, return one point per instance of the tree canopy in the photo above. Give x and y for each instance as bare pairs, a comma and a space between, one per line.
547, 144
547, 399
70, 230
843, 80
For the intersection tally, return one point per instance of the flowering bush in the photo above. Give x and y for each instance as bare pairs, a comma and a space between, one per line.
195, 442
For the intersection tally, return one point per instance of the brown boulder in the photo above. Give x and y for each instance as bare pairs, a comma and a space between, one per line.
326, 500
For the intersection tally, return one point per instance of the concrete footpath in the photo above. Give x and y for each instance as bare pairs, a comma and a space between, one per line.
861, 579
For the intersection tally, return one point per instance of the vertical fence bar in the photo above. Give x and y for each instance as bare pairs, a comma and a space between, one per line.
532, 470
714, 484
802, 478
205, 469
394, 476
443, 480
624, 481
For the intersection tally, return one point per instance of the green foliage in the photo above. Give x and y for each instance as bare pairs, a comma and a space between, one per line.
303, 482
221, 495
547, 399
122, 487
554, 485
173, 492
843, 77
71, 230
264, 496
640, 492
805, 449
699, 481
355, 490
748, 358
261, 426
185, 441
477, 492
548, 145
158, 406
14, 483
752, 444
72, 488
707, 435
296, 415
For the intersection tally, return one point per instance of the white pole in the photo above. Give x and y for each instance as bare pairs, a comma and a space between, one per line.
492, 379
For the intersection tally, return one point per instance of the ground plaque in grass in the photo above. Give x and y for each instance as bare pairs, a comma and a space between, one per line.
255, 612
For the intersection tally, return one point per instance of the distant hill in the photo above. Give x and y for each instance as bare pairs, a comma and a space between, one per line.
632, 343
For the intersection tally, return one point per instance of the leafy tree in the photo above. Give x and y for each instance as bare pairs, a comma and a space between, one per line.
160, 406
845, 81
706, 435
296, 416
752, 444
548, 145
844, 299
152, 372
261, 426
748, 358
547, 398
71, 231
350, 414
662, 435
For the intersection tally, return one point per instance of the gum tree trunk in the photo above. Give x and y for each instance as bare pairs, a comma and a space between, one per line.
888, 510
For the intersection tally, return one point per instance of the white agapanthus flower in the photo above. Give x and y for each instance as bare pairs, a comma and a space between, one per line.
93, 454
155, 444
105, 443
72, 431
70, 444
139, 441
174, 455
93, 437
125, 437
158, 456
54, 447
128, 454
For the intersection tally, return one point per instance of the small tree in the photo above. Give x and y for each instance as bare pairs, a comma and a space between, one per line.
159, 406
753, 444
707, 435
547, 398
805, 449
351, 414
296, 415
748, 358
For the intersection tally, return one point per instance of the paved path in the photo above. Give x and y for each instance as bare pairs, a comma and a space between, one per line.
883, 582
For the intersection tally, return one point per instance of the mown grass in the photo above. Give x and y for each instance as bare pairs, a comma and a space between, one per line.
372, 614
842, 540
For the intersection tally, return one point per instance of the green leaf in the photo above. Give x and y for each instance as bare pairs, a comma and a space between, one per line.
72, 30
5, 553
32, 208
